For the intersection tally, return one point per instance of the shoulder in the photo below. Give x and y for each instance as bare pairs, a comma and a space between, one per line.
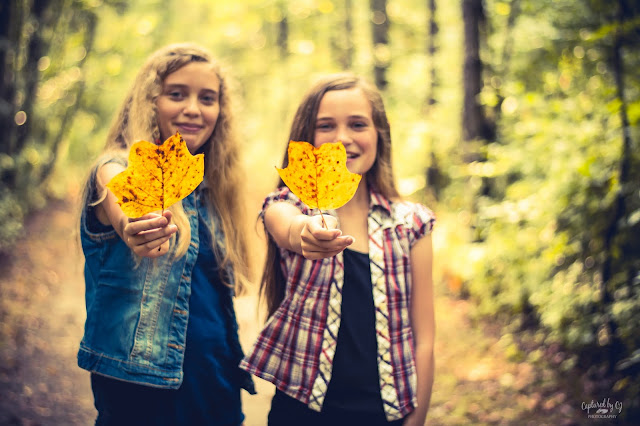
416, 217
107, 164
119, 157
412, 211
284, 194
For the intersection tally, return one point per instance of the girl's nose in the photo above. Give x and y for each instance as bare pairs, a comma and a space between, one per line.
344, 136
192, 107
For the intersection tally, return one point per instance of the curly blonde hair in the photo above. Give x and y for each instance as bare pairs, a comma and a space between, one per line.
137, 120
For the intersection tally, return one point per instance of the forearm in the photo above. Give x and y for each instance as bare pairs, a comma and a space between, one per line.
284, 223
294, 240
423, 325
305, 235
425, 368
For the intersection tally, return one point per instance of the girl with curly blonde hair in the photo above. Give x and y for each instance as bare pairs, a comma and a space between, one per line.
161, 336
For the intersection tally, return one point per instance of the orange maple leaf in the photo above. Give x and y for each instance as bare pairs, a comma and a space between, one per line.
319, 176
157, 176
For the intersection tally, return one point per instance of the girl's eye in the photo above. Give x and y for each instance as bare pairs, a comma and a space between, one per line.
324, 126
359, 125
208, 99
175, 95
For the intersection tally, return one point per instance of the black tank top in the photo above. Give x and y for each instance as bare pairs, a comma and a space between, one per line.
354, 384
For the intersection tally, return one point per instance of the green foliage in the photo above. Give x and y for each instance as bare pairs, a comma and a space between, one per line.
558, 214
41, 88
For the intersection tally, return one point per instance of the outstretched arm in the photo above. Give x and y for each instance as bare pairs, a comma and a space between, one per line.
295, 231
423, 324
143, 235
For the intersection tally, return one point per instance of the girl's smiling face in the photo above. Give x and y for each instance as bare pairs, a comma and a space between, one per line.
189, 104
346, 116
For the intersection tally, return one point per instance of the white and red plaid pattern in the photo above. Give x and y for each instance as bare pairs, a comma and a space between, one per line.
295, 349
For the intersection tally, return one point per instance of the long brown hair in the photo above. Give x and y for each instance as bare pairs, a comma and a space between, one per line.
224, 177
379, 176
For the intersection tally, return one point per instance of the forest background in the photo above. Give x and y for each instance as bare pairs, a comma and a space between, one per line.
515, 120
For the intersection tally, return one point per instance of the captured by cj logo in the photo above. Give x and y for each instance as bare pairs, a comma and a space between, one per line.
604, 409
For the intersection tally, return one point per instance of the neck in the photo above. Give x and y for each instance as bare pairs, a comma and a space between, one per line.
353, 218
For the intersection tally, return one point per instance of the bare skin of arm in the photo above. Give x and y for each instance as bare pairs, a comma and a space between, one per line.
143, 235
423, 325
304, 234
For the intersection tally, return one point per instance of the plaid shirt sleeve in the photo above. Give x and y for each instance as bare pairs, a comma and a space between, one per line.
284, 194
422, 223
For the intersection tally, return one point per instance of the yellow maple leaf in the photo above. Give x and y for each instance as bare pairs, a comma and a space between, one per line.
157, 176
319, 176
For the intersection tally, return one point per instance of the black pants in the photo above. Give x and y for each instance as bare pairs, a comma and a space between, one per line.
287, 411
122, 404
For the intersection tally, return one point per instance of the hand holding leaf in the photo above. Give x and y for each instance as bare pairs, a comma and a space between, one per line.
319, 176
157, 176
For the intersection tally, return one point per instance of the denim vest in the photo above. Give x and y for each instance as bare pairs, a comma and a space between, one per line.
137, 315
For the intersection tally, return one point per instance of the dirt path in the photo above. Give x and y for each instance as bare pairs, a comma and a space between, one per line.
478, 380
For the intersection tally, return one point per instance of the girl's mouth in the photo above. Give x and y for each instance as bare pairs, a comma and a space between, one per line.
189, 128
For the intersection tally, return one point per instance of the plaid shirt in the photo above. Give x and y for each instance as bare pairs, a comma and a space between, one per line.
296, 347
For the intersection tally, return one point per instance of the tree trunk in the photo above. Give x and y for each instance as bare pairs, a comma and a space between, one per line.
36, 48
507, 52
10, 31
431, 52
283, 33
344, 42
474, 122
619, 206
434, 175
380, 27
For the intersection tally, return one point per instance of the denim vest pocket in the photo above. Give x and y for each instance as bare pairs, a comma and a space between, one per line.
113, 297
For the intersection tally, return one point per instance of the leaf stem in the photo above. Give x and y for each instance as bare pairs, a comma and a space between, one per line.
323, 221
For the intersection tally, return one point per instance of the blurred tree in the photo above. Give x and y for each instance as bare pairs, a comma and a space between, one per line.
342, 41
500, 70
622, 233
560, 229
381, 49
477, 130
475, 125
435, 180
283, 32
432, 49
43, 45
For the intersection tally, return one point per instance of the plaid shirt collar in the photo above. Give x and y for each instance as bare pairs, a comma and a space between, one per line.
377, 200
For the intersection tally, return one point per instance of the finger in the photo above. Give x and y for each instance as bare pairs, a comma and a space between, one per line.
145, 224
155, 244
317, 224
147, 216
326, 234
145, 237
326, 250
153, 249
317, 231
338, 243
